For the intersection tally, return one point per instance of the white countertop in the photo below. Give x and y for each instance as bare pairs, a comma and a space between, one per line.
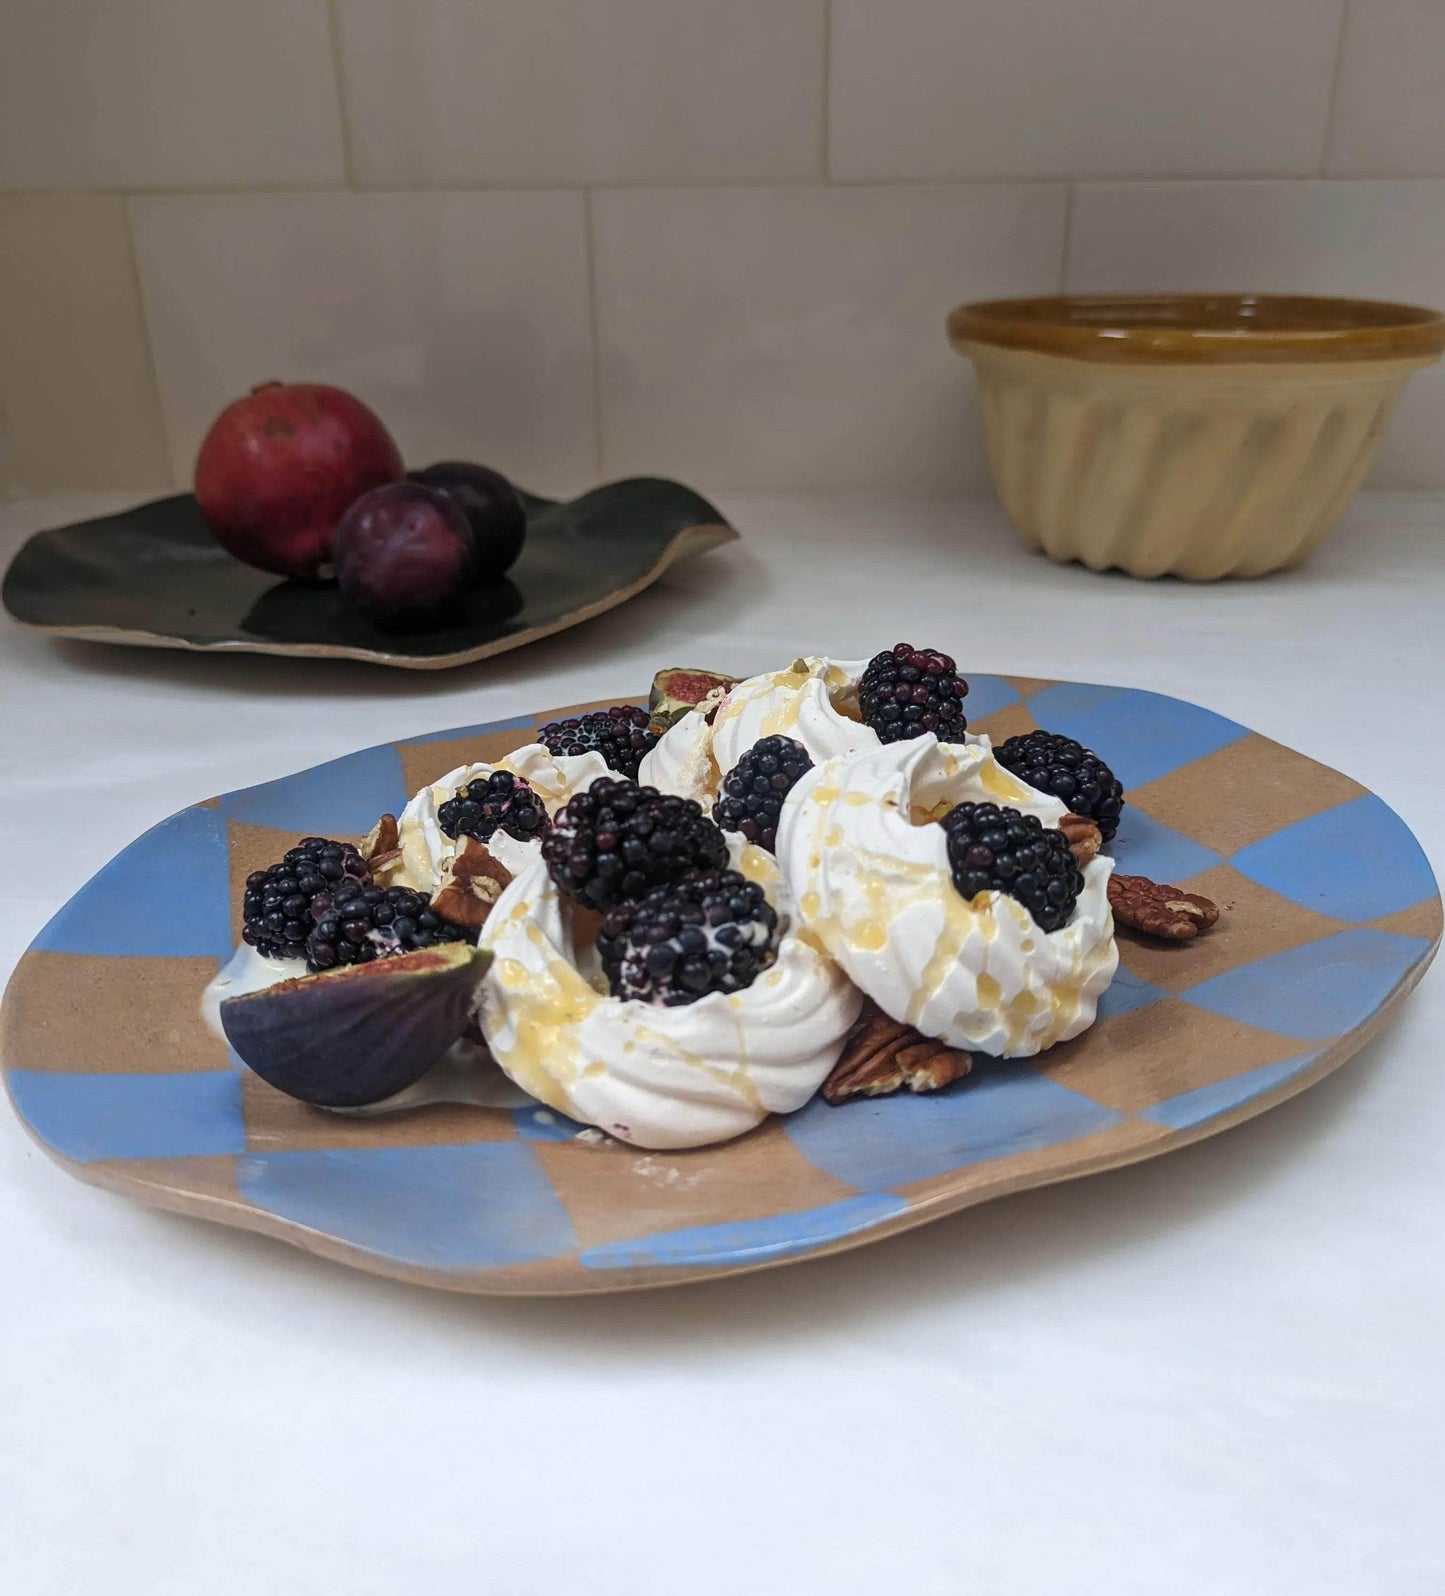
1217, 1372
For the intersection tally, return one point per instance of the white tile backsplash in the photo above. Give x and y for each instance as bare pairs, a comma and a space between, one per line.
167, 94
1389, 116
78, 405
460, 318
766, 206
1383, 240
795, 337
1058, 88
572, 91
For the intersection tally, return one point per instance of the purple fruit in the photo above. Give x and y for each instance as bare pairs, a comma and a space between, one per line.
492, 506
404, 555
360, 1033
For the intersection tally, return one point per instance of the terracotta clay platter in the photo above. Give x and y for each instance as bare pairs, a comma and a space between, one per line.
110, 1067
154, 576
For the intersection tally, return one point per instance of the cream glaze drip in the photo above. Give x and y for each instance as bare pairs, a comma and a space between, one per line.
658, 1077
977, 974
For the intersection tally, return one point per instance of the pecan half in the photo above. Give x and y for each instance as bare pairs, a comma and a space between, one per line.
1160, 910
470, 885
1084, 836
383, 838
383, 864
881, 1056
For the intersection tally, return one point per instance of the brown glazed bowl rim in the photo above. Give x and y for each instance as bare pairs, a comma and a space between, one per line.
1202, 328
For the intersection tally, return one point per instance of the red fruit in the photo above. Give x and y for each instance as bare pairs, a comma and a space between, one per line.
278, 469
404, 555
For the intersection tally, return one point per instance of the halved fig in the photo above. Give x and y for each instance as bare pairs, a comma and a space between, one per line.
361, 1033
677, 690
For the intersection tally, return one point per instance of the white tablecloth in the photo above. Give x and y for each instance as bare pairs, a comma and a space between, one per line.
1216, 1372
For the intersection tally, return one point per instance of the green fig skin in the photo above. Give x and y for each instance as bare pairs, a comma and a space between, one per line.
678, 689
357, 1035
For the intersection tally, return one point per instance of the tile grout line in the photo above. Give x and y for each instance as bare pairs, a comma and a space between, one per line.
153, 370
1334, 88
715, 185
333, 31
825, 96
589, 256
1070, 196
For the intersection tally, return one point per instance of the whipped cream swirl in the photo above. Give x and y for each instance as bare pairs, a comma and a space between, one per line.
426, 850
657, 1077
814, 701
869, 871
681, 761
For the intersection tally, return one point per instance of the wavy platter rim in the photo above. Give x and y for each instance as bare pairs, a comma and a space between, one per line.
709, 531
964, 1185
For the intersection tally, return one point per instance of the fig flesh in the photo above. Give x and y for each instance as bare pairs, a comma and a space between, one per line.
677, 689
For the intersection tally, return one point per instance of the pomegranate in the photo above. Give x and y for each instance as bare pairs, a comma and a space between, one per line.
278, 468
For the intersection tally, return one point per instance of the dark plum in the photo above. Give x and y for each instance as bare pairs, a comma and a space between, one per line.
404, 555
492, 506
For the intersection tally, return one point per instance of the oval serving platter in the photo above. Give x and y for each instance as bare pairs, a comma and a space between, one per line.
111, 1069
153, 576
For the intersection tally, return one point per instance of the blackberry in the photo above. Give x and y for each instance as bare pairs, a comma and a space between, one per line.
710, 931
283, 902
619, 734
1075, 774
618, 840
754, 789
499, 802
909, 691
366, 922
995, 849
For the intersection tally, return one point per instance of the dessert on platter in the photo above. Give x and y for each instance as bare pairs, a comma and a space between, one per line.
577, 1119
670, 924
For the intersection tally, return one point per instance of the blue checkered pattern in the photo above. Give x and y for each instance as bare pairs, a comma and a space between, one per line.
510, 1201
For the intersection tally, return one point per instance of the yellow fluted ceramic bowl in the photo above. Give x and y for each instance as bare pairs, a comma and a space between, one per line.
1193, 435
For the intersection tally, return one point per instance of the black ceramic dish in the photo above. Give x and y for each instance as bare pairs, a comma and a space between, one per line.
153, 576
